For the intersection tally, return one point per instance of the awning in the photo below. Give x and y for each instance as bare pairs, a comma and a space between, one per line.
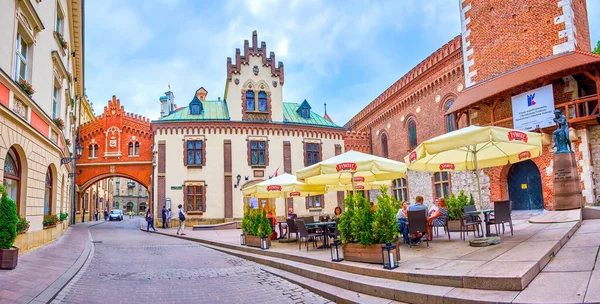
522, 75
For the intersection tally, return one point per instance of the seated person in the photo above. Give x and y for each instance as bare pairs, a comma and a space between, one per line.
401, 216
292, 216
433, 209
415, 237
337, 213
274, 221
439, 217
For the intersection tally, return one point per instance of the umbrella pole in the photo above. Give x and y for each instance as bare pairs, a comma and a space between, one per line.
479, 191
353, 187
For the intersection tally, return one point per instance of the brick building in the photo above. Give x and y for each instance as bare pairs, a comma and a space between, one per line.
500, 55
214, 148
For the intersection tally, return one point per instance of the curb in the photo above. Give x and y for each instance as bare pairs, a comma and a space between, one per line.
59, 284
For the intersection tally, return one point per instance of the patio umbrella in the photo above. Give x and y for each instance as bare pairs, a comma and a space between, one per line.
358, 186
474, 148
284, 186
351, 168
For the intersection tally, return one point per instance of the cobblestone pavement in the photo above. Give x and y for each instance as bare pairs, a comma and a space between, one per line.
130, 266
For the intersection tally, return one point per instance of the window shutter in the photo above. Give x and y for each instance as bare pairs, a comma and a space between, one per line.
203, 198
204, 152
185, 198
185, 153
266, 152
305, 158
306, 203
249, 153
320, 152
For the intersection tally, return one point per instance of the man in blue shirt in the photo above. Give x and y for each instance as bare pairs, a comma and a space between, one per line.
416, 235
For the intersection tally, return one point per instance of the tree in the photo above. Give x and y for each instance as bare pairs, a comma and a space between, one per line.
8, 220
597, 48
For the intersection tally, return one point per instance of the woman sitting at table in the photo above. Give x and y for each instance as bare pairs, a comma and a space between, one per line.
337, 213
439, 217
402, 217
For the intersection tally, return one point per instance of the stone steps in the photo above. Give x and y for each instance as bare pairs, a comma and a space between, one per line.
390, 289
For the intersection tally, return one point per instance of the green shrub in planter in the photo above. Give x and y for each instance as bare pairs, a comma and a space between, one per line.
8, 220
384, 227
255, 222
457, 203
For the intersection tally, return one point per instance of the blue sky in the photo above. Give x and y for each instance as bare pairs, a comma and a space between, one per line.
344, 53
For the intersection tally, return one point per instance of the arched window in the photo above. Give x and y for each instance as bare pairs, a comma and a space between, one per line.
262, 101
412, 133
93, 151
250, 101
137, 148
131, 150
12, 175
451, 118
384, 145
48, 193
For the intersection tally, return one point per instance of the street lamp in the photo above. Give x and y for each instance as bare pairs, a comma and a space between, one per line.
78, 152
64, 161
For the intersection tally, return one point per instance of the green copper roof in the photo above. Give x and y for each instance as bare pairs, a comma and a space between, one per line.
212, 110
290, 115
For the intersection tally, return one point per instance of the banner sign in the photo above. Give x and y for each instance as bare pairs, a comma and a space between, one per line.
254, 203
533, 109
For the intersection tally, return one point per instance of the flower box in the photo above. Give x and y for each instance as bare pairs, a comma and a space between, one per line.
366, 254
26, 87
254, 241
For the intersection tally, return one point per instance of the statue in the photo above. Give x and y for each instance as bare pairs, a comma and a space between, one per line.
562, 143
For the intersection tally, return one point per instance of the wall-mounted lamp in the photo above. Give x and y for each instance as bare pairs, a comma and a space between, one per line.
73, 54
246, 177
238, 179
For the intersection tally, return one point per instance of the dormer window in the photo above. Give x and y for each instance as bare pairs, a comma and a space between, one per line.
195, 109
306, 113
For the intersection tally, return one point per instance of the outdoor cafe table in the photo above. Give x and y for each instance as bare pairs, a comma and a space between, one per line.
486, 214
324, 226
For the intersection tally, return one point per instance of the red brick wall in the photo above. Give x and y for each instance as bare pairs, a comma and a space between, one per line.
507, 34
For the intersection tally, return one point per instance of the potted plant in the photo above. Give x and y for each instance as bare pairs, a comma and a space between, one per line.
61, 40
364, 232
22, 225
50, 221
26, 87
9, 255
456, 206
59, 123
256, 226
63, 216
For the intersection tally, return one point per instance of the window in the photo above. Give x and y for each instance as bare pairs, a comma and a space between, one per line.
93, 151
314, 201
384, 145
12, 175
262, 101
256, 103
305, 113
412, 134
48, 193
450, 119
250, 101
257, 152
55, 96
194, 153
194, 198
400, 189
195, 109
441, 182
134, 149
313, 154
59, 21
22, 58
137, 148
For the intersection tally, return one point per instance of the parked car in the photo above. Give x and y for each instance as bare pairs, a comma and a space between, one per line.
116, 215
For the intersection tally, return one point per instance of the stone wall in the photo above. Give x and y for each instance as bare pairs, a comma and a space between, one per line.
467, 181
594, 139
419, 183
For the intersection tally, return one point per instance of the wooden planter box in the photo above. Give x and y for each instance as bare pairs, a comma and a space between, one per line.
366, 254
9, 258
254, 241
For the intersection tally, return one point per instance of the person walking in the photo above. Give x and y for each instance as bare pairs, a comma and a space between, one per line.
163, 214
181, 220
150, 220
169, 216
96, 215
105, 214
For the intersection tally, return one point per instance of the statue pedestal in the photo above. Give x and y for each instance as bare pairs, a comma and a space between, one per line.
567, 184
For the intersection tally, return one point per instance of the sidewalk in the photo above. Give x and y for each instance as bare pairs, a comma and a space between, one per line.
43, 272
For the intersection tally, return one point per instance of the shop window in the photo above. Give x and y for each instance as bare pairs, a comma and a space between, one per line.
48, 193
12, 176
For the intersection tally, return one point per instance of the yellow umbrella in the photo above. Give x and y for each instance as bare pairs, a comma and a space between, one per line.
284, 186
473, 148
358, 186
350, 168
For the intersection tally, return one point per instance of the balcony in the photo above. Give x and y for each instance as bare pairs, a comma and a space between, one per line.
581, 111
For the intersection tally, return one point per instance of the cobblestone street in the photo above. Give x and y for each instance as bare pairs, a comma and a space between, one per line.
130, 266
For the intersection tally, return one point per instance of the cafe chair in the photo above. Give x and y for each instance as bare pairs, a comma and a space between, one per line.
501, 216
306, 236
417, 222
